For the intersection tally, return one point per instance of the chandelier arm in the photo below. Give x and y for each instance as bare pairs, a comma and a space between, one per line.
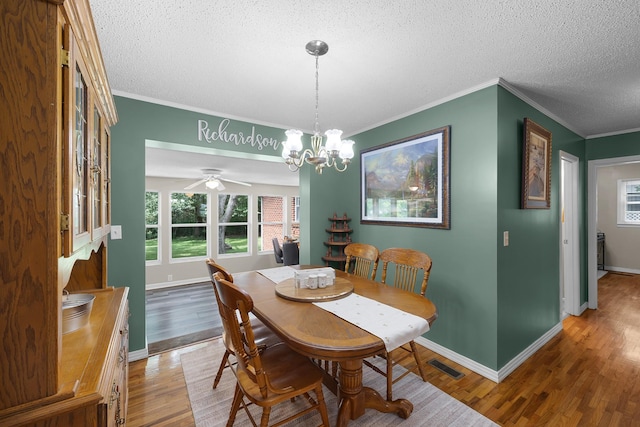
295, 167
344, 168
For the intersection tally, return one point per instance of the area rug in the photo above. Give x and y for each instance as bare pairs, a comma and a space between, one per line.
211, 407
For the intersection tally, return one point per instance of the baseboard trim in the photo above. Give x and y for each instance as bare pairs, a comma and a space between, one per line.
138, 354
491, 374
161, 285
514, 363
471, 364
614, 269
583, 308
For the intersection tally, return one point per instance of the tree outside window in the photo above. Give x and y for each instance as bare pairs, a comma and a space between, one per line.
151, 220
188, 225
233, 224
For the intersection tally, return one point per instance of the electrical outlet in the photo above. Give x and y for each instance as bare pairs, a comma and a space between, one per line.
170, 277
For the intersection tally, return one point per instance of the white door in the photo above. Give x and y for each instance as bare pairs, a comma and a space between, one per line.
569, 236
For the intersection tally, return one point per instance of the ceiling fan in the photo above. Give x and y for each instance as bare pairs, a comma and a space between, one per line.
213, 181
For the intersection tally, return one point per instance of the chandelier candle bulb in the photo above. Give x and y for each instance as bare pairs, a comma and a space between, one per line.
333, 142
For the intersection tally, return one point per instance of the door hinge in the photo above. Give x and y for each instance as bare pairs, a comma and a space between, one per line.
64, 222
64, 57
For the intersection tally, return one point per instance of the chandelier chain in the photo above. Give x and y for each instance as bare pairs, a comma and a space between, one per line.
317, 125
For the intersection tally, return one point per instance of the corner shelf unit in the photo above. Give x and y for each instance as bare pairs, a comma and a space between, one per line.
339, 237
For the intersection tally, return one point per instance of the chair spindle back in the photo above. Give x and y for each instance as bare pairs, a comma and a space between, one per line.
407, 263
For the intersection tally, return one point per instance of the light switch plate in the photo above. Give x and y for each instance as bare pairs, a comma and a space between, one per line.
505, 238
116, 232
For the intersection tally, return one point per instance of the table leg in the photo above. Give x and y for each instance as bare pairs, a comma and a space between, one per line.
354, 398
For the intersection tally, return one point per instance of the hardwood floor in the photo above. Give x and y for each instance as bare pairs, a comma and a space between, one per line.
181, 315
588, 375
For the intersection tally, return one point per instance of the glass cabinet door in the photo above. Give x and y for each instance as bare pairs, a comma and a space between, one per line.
80, 200
96, 175
76, 151
86, 155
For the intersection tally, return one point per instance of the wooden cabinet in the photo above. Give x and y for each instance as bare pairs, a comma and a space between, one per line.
56, 109
339, 237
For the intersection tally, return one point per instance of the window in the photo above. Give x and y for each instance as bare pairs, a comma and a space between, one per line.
629, 202
295, 217
296, 209
151, 220
188, 225
233, 224
270, 221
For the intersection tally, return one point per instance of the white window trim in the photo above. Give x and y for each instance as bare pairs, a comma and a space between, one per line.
158, 227
622, 203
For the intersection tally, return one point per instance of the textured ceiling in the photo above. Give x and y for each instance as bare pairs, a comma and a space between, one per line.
577, 59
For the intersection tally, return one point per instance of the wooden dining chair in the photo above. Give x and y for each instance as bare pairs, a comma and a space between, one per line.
264, 336
271, 377
407, 263
365, 260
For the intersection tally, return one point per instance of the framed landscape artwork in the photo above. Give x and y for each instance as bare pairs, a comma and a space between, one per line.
406, 182
536, 167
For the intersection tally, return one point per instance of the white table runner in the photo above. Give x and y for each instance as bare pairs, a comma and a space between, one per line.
394, 327
278, 274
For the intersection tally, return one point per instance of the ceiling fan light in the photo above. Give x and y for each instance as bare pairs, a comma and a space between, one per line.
212, 184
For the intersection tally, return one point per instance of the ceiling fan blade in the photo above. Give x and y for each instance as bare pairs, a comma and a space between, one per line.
195, 184
235, 182
220, 187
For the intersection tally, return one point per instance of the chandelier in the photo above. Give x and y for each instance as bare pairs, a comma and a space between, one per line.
319, 155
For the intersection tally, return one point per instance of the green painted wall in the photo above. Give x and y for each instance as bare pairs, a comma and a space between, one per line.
606, 147
493, 301
528, 269
463, 278
140, 121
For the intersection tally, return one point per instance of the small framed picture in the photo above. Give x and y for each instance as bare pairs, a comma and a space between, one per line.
536, 167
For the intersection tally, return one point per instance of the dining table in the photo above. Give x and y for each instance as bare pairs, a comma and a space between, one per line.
321, 335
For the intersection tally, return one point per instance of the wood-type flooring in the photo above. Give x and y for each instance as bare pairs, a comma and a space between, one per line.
588, 375
181, 315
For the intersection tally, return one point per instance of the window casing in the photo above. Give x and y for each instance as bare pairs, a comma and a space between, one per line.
152, 238
629, 202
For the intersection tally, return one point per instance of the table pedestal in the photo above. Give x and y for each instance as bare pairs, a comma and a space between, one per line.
354, 398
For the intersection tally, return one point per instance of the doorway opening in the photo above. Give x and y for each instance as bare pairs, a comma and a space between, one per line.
592, 224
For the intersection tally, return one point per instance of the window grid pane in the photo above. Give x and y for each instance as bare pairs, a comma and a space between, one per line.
271, 221
233, 223
188, 242
151, 244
